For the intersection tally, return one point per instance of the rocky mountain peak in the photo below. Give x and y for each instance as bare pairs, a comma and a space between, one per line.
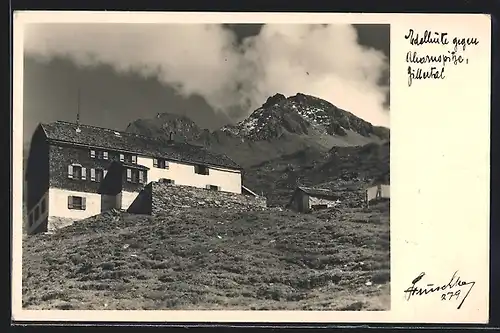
273, 100
301, 114
181, 127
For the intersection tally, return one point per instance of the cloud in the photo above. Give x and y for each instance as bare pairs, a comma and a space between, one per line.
206, 60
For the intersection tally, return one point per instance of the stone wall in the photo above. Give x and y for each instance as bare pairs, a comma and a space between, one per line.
167, 196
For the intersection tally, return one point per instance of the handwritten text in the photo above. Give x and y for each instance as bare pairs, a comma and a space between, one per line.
424, 66
449, 291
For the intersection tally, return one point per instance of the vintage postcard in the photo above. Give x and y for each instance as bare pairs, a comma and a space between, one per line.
251, 167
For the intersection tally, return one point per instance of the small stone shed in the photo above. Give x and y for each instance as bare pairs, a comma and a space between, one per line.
305, 199
377, 192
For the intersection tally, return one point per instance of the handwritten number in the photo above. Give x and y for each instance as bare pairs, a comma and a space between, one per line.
456, 284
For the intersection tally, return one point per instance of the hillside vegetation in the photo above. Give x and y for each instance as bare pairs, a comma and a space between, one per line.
200, 258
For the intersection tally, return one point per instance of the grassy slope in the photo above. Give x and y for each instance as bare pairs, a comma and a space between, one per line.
220, 260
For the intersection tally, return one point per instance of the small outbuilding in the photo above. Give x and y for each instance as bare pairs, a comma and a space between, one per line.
377, 192
306, 199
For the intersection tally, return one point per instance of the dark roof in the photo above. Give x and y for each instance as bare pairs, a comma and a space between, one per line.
98, 137
96, 163
105, 164
317, 192
133, 165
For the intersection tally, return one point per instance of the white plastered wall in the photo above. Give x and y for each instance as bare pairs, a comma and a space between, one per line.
127, 198
183, 174
58, 204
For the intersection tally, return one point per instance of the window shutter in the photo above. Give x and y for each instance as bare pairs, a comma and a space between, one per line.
134, 159
84, 173
122, 157
84, 203
155, 162
92, 174
104, 173
70, 202
105, 155
70, 171
129, 174
92, 153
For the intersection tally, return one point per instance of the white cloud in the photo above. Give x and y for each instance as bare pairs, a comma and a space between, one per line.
321, 60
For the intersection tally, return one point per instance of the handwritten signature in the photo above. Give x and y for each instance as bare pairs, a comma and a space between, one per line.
448, 291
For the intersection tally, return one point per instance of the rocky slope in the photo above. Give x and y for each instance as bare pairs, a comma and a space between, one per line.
344, 169
181, 127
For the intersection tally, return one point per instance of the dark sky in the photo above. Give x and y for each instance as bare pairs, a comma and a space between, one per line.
114, 100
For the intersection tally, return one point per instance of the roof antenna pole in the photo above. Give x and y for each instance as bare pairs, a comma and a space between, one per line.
78, 107
78, 110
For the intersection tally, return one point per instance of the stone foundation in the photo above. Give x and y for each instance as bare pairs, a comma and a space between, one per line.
167, 196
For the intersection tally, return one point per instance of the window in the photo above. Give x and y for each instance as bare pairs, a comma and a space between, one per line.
75, 202
43, 206
37, 213
76, 171
136, 176
142, 177
160, 163
128, 158
100, 154
213, 187
201, 169
167, 181
96, 175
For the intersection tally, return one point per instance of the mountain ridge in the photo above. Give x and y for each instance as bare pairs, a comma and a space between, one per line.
281, 126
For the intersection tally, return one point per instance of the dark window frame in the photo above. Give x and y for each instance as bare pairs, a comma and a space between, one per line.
77, 202
200, 169
136, 176
128, 158
77, 172
96, 175
99, 154
161, 163
168, 181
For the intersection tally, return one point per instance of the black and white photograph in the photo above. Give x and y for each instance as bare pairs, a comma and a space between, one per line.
206, 166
